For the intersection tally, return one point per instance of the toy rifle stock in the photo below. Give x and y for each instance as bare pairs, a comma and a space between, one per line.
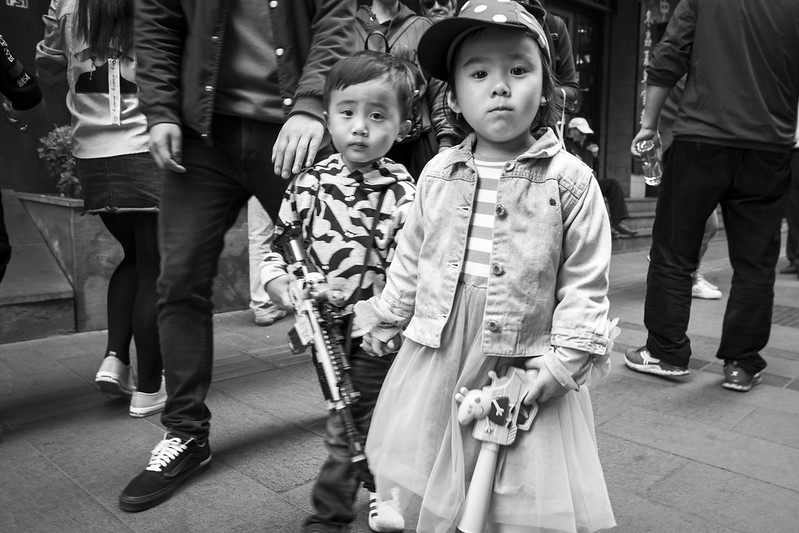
498, 414
319, 323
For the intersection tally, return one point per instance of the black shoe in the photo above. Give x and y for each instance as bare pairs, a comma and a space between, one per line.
735, 378
173, 461
792, 268
621, 229
616, 235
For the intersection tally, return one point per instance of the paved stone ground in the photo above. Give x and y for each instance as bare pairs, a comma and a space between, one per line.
679, 455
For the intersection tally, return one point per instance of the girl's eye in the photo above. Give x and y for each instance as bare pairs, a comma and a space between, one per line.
518, 71
479, 74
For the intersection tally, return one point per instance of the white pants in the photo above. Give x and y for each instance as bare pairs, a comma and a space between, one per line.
260, 230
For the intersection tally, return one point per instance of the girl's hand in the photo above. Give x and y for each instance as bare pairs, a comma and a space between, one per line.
377, 348
544, 386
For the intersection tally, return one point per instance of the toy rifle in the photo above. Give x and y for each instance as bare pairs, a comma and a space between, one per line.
498, 414
319, 323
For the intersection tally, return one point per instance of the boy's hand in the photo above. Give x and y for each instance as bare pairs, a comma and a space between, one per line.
545, 386
278, 291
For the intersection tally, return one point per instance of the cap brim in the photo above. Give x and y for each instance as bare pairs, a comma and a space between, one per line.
434, 46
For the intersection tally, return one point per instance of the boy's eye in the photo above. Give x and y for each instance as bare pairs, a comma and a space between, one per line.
346, 112
376, 116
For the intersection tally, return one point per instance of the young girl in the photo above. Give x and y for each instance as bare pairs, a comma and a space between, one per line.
503, 262
90, 44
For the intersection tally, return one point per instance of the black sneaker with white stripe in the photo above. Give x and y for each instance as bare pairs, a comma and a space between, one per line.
173, 462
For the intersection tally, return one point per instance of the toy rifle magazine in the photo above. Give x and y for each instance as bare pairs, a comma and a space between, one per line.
319, 323
498, 415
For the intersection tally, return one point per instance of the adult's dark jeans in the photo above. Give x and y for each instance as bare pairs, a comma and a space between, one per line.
5, 246
792, 211
337, 485
197, 209
752, 187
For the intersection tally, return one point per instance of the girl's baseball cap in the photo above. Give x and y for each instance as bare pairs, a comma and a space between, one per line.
438, 43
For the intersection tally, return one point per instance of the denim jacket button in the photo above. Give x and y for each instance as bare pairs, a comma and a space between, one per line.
497, 269
510, 165
500, 211
492, 325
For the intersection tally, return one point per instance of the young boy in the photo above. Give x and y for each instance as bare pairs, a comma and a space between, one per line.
368, 100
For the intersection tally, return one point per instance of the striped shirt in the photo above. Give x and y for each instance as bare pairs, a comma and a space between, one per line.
481, 227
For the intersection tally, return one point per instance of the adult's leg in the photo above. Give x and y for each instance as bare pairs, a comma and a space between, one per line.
695, 177
5, 246
792, 211
614, 195
197, 209
145, 316
260, 231
122, 288
753, 208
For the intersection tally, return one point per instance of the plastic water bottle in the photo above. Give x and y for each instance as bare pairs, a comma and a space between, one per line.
651, 156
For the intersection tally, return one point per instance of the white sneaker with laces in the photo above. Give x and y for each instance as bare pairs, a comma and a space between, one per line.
703, 279
114, 377
385, 516
148, 403
704, 291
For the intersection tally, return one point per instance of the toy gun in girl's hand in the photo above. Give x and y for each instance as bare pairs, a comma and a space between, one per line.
498, 414
319, 323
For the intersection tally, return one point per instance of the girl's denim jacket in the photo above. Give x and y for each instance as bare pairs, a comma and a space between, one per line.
550, 256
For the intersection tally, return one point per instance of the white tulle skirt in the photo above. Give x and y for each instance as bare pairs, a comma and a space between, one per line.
550, 479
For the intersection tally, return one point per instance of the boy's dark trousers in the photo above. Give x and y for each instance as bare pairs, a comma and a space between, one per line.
337, 485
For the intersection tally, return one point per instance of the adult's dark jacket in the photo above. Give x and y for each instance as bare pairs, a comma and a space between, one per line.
179, 44
742, 61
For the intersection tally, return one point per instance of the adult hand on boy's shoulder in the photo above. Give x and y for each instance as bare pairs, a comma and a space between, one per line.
297, 143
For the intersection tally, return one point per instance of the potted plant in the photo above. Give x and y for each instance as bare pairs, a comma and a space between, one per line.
83, 248
55, 149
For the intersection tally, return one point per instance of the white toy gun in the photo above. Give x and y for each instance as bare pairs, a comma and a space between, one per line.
498, 414
319, 323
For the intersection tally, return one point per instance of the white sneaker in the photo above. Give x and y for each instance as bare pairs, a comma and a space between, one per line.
148, 403
701, 289
266, 316
700, 277
385, 516
113, 377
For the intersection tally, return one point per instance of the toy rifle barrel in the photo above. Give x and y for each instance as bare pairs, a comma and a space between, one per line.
475, 508
354, 443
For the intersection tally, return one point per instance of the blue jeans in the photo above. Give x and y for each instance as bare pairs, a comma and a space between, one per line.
338, 482
197, 209
752, 187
